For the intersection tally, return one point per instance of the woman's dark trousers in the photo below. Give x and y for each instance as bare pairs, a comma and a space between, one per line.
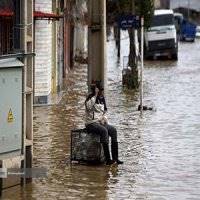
105, 131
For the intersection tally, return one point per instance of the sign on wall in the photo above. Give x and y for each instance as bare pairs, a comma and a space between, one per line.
129, 21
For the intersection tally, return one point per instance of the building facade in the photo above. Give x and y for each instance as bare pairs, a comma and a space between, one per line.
43, 50
52, 48
16, 44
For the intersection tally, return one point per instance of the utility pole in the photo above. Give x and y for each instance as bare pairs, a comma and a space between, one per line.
142, 64
118, 42
188, 9
133, 78
96, 40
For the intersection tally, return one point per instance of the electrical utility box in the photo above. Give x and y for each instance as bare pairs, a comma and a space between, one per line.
11, 136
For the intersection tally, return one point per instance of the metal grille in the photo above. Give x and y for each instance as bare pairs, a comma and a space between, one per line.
161, 44
86, 147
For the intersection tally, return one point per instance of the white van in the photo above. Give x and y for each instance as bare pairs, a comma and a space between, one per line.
161, 36
198, 32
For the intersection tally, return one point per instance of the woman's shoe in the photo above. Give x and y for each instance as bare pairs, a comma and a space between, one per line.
114, 149
110, 162
119, 162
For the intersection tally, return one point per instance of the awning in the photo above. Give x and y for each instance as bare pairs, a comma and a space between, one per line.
46, 16
37, 14
6, 12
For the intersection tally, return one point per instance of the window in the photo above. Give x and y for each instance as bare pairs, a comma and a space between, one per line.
9, 26
162, 20
6, 26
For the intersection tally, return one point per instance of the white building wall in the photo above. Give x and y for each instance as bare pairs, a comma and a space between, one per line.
43, 50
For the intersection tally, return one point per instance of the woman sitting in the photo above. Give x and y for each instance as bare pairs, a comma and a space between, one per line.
96, 122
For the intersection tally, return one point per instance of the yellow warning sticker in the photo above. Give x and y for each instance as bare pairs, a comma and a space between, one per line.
10, 118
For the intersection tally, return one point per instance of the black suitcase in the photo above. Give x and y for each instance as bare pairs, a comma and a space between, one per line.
86, 147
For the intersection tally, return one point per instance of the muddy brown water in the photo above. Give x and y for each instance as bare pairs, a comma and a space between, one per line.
161, 150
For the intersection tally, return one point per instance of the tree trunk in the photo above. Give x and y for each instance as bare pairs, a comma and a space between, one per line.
132, 54
133, 78
117, 36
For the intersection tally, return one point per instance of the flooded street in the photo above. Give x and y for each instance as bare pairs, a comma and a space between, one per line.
160, 150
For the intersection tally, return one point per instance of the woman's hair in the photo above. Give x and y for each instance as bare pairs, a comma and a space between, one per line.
92, 88
89, 97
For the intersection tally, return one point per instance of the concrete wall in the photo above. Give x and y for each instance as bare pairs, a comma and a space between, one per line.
80, 30
80, 40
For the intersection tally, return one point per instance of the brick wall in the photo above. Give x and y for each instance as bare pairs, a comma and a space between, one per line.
43, 5
43, 50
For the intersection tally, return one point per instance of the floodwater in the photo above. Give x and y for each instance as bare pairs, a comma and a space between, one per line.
161, 150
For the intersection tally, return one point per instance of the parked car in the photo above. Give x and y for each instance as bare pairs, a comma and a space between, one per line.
187, 31
198, 32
